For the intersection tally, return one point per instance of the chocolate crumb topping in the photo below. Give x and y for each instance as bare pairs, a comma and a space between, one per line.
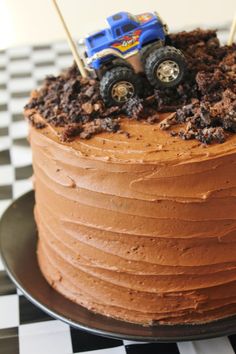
204, 103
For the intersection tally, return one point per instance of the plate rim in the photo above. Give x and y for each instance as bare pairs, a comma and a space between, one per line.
101, 332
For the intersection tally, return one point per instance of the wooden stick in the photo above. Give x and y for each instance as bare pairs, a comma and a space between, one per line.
232, 32
71, 43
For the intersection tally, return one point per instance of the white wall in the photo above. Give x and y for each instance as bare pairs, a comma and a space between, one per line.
34, 21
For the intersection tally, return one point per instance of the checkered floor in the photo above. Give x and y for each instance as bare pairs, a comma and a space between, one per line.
24, 328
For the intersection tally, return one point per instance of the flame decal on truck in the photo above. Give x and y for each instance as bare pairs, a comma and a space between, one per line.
127, 42
143, 18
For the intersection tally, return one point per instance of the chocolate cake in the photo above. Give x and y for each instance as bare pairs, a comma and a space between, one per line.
136, 204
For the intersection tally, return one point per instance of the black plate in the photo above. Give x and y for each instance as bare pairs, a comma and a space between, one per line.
18, 239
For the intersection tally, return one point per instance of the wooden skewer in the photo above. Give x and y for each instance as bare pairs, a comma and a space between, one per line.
232, 32
71, 42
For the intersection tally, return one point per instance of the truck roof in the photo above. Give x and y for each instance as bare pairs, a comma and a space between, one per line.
119, 18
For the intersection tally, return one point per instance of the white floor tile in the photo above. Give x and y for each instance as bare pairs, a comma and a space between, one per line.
40, 56
51, 337
128, 342
25, 84
9, 311
1, 265
4, 96
210, 346
3, 59
5, 119
3, 77
19, 51
61, 46
64, 62
16, 105
19, 292
21, 187
4, 204
186, 348
40, 73
20, 66
20, 156
18, 129
5, 143
6, 175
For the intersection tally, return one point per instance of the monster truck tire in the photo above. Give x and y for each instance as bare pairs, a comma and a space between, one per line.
165, 67
118, 85
147, 49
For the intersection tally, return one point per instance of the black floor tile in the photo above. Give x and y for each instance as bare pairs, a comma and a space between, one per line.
29, 313
82, 341
9, 342
152, 348
23, 172
5, 192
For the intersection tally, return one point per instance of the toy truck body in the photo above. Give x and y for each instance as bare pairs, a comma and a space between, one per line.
126, 36
130, 46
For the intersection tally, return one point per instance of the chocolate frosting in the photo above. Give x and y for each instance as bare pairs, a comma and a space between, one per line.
142, 228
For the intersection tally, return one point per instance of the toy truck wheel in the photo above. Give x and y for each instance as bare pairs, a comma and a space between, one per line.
118, 85
165, 67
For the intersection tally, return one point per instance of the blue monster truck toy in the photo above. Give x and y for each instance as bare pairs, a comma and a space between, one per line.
131, 45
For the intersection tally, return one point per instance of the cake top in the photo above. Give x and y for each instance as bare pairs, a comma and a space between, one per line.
203, 104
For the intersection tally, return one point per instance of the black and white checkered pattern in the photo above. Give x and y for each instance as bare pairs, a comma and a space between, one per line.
24, 328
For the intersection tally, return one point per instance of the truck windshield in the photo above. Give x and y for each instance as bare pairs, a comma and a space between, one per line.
128, 27
133, 18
